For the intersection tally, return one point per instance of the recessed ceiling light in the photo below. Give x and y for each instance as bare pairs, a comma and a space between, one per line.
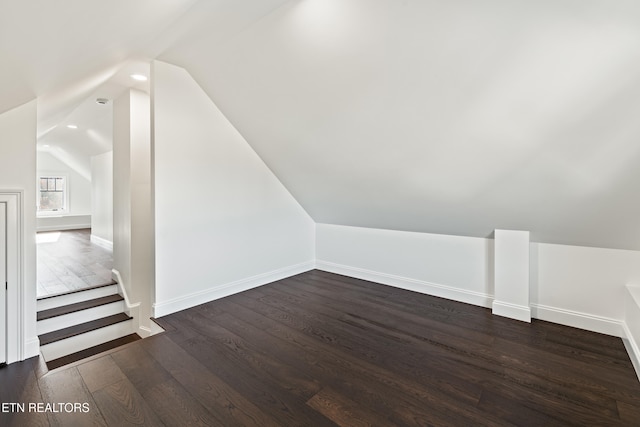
139, 77
102, 101
72, 126
46, 145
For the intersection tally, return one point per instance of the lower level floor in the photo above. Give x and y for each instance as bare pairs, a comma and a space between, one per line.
69, 261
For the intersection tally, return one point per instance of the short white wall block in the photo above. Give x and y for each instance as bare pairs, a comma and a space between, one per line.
511, 273
632, 325
63, 222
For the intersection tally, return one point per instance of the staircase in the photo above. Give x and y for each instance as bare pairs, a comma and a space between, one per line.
78, 324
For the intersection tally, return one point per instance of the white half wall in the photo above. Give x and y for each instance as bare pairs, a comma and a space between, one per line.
63, 222
18, 172
454, 267
577, 286
102, 197
582, 286
224, 222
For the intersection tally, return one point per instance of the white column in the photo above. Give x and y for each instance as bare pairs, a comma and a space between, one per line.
511, 272
133, 256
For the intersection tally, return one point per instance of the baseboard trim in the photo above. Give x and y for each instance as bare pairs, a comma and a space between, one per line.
63, 227
576, 319
632, 348
438, 290
31, 348
153, 329
512, 311
164, 308
103, 243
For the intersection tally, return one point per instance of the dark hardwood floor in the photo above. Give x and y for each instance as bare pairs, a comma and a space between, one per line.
320, 349
68, 261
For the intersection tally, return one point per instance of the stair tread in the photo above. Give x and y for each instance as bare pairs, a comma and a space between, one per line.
78, 306
82, 328
111, 283
92, 351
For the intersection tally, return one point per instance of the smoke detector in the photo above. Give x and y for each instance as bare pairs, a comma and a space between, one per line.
102, 101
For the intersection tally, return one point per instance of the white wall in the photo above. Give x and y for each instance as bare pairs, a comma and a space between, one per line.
223, 220
79, 193
455, 267
102, 196
18, 172
577, 286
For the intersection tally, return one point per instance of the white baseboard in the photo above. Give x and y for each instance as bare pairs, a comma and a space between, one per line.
146, 332
632, 348
81, 226
443, 291
512, 311
104, 243
576, 319
31, 348
164, 308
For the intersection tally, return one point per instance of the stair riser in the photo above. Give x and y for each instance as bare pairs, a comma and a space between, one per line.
89, 339
71, 319
47, 303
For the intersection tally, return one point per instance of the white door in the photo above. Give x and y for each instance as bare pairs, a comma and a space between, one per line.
3, 281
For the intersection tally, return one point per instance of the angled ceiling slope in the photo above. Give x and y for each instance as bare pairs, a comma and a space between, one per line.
62, 50
444, 117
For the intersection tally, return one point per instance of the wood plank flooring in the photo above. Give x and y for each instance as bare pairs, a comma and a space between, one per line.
320, 349
68, 261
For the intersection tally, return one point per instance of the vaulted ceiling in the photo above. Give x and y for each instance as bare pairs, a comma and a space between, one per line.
453, 117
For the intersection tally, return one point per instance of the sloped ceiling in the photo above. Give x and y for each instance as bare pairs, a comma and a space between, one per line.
444, 117
453, 117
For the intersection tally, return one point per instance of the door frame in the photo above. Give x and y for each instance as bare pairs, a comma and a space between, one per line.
15, 296
3, 275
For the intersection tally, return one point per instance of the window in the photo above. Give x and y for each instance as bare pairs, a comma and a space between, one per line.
53, 194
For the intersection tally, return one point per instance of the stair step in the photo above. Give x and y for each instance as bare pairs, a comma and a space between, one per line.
77, 290
80, 337
76, 296
78, 306
73, 314
82, 328
92, 351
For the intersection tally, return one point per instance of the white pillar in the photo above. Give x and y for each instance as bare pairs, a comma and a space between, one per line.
511, 272
133, 256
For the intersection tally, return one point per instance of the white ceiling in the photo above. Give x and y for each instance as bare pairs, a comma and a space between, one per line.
66, 53
453, 117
